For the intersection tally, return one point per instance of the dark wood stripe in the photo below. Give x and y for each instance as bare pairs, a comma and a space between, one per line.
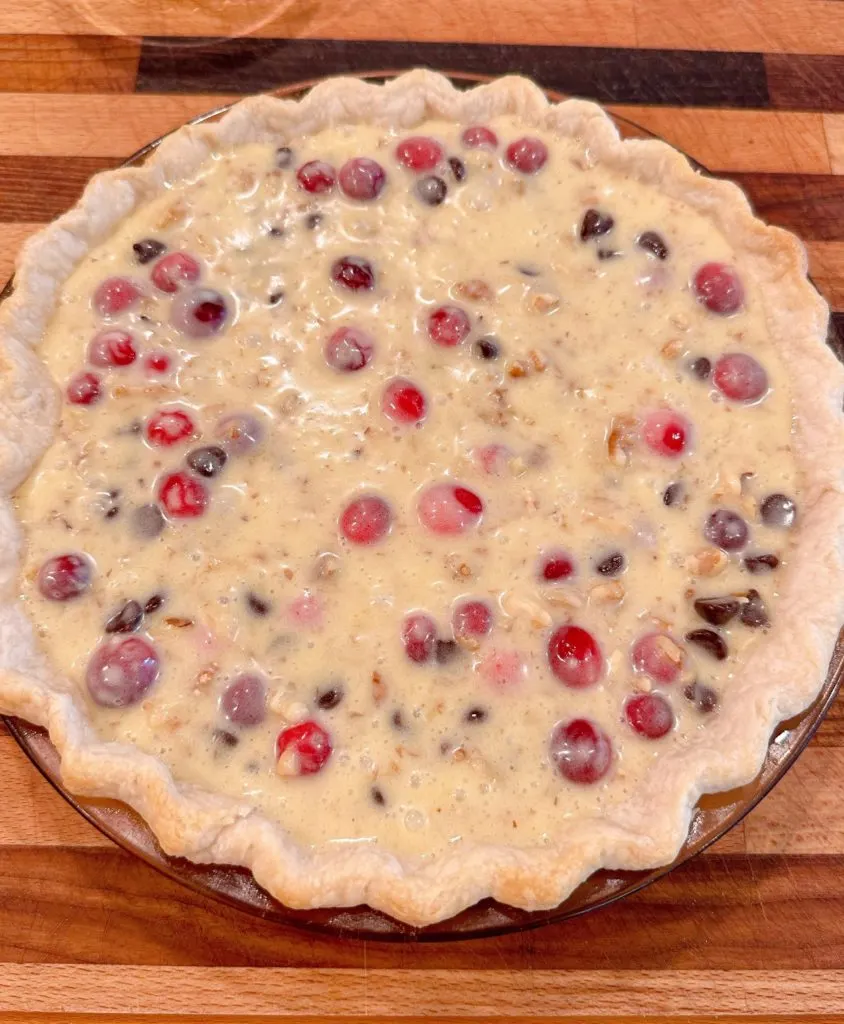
798, 81
607, 74
103, 906
810, 205
44, 63
34, 189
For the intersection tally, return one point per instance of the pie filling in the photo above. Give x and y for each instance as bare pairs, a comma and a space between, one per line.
417, 489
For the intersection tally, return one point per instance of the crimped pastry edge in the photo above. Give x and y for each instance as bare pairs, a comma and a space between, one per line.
781, 678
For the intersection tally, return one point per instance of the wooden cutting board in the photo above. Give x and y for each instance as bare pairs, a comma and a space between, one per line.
752, 930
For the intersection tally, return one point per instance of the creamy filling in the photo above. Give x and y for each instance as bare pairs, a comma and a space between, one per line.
558, 466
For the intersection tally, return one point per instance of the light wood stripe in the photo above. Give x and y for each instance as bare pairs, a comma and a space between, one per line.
327, 993
834, 128
812, 26
130, 1018
114, 125
742, 140
81, 64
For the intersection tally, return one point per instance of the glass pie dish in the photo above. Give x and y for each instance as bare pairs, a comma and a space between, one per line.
713, 818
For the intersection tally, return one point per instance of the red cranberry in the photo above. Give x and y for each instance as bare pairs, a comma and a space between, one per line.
157, 362
448, 326
121, 671
116, 295
84, 389
556, 566
580, 751
449, 509
169, 426
174, 270
349, 349
354, 273
478, 136
244, 700
419, 153
239, 432
718, 287
303, 749
726, 529
362, 178
64, 577
471, 618
649, 714
316, 176
112, 348
658, 657
493, 459
575, 657
182, 496
419, 636
307, 611
366, 520
527, 155
666, 433
403, 402
740, 377
199, 312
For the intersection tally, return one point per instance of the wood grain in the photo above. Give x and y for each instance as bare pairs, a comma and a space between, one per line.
753, 930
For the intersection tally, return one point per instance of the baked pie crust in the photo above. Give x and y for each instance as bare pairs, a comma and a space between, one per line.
781, 677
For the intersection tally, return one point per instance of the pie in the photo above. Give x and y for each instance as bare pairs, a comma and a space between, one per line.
416, 495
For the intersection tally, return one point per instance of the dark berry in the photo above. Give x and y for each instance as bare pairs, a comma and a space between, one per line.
753, 611
148, 521
717, 611
595, 224
153, 604
608, 254
703, 697
121, 671
225, 738
486, 349
257, 605
274, 298
244, 700
710, 641
148, 249
431, 190
313, 221
758, 564
457, 168
283, 157
475, 715
329, 699
701, 368
778, 510
612, 565
446, 651
653, 243
127, 620
674, 495
207, 461
726, 529
377, 796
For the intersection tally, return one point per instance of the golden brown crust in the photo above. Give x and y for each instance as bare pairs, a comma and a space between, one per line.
781, 678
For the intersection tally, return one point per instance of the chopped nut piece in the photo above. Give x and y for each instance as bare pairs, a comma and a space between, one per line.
177, 622
173, 215
379, 688
608, 593
459, 569
517, 606
474, 290
539, 362
668, 649
207, 675
517, 368
621, 439
562, 598
543, 302
672, 349
707, 562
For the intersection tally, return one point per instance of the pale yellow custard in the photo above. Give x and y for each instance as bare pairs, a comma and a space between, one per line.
585, 330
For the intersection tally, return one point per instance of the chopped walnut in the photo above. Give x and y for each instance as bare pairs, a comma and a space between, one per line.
679, 321
379, 688
559, 597
538, 361
177, 622
728, 486
289, 401
459, 569
474, 290
543, 302
206, 676
517, 368
621, 439
175, 214
666, 647
611, 592
517, 606
672, 349
707, 562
